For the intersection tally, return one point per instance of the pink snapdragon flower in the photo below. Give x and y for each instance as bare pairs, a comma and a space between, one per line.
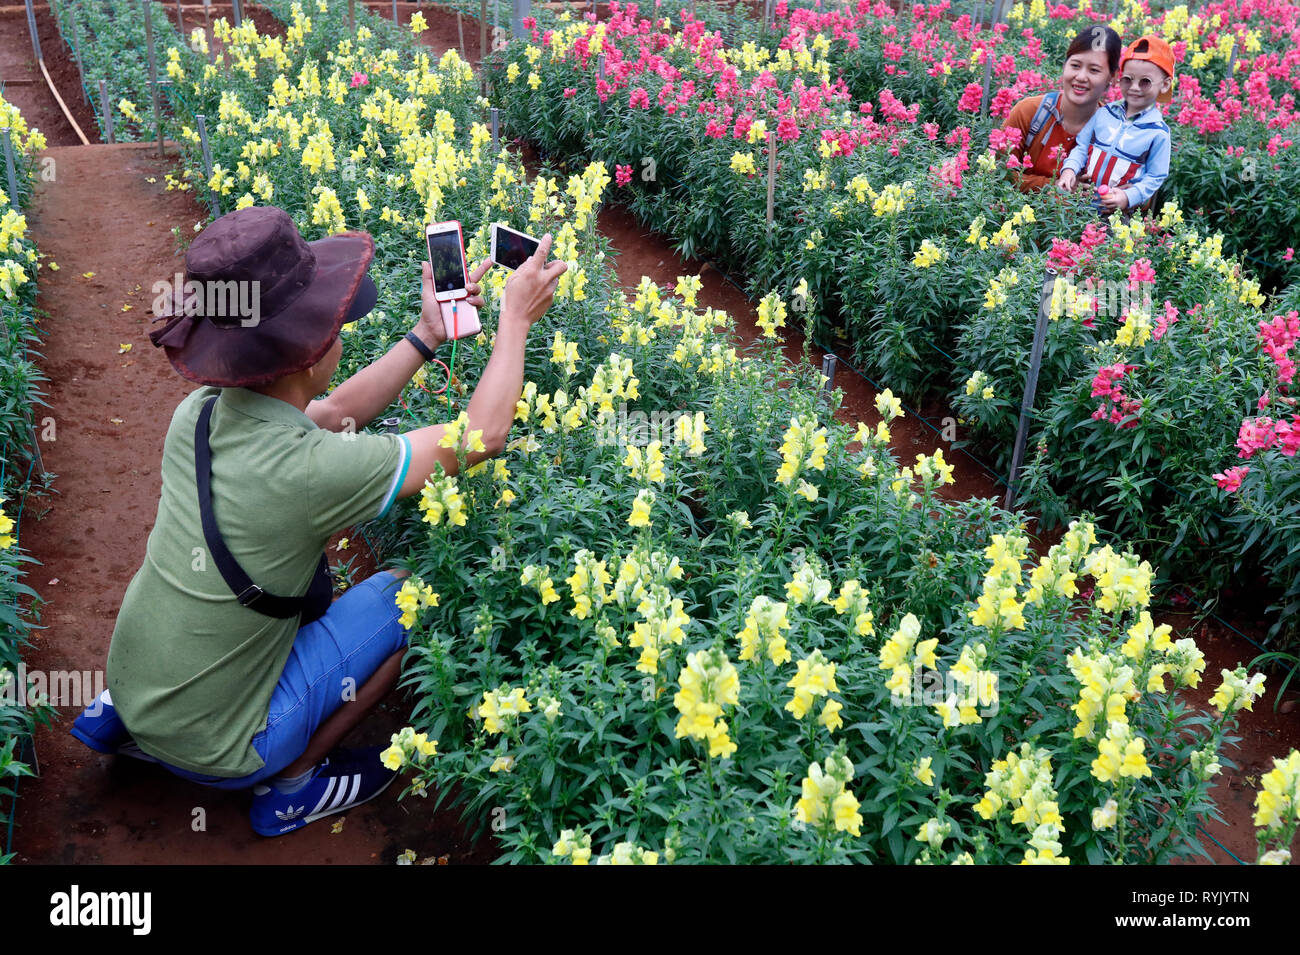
1230, 478
1008, 138
1140, 272
970, 98
1255, 434
1165, 322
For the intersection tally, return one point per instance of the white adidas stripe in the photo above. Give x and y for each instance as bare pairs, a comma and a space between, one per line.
349, 793
341, 791
325, 797
341, 794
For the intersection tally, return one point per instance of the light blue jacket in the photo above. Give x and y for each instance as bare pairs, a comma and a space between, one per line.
1132, 154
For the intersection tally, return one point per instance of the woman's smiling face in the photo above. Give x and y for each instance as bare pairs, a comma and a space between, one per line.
1086, 77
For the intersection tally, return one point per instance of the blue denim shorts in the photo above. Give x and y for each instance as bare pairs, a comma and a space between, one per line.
359, 632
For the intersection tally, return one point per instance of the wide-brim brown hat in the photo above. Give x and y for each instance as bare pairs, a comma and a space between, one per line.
259, 302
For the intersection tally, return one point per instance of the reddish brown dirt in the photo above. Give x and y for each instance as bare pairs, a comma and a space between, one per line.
443, 33
25, 87
111, 413
1265, 732
188, 19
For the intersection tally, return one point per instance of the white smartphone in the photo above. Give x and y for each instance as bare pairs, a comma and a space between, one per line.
510, 248
450, 278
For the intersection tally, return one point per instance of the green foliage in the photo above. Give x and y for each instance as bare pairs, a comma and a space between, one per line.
109, 37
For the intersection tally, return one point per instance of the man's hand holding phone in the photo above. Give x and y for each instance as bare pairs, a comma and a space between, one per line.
430, 328
531, 289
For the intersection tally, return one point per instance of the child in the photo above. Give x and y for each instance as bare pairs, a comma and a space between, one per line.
1125, 146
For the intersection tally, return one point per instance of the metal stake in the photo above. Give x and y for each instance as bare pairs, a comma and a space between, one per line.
153, 73
1031, 384
31, 25
208, 35
988, 79
482, 41
460, 32
106, 109
352, 15
239, 13
771, 177
828, 372
9, 167
207, 157
76, 55
496, 127
600, 75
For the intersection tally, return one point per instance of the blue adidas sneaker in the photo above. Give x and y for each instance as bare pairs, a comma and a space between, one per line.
100, 728
346, 779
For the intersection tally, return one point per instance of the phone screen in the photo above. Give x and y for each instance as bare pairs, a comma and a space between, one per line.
513, 248
447, 261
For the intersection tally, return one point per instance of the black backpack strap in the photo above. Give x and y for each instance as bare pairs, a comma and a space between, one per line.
248, 593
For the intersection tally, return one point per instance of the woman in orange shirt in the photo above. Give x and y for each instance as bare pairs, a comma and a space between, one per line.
1049, 123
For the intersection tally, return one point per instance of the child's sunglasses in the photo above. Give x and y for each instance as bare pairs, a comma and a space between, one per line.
1144, 84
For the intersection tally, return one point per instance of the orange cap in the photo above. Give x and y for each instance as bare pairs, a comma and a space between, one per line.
1155, 50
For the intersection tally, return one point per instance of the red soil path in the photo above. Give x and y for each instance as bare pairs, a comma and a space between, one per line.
90, 535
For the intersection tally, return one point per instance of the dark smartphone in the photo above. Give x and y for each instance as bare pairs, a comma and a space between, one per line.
447, 259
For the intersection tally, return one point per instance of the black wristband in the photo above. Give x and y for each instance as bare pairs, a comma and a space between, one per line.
420, 346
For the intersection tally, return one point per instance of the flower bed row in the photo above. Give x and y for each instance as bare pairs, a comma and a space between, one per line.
687, 615
109, 35
912, 242
1233, 135
19, 395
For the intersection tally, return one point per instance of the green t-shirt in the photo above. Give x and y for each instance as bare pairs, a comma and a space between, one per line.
190, 671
